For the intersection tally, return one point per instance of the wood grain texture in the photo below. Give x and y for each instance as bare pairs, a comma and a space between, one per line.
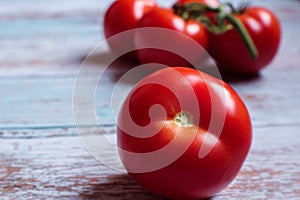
55, 164
43, 44
272, 99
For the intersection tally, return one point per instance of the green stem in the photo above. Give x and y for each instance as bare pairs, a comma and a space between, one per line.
200, 7
211, 27
239, 26
197, 11
193, 9
221, 19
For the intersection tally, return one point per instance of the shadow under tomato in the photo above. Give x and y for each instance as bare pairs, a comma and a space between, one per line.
231, 77
120, 66
116, 67
117, 187
113, 68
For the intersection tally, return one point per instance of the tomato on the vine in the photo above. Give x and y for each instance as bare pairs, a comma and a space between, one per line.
183, 134
231, 53
166, 18
124, 15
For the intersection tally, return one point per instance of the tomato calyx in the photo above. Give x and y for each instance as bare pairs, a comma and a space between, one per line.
189, 11
223, 20
184, 119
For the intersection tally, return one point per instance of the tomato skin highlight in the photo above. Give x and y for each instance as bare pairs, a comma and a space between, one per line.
124, 15
230, 52
166, 18
188, 177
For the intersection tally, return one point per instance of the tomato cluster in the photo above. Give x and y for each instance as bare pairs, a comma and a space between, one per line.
242, 41
181, 133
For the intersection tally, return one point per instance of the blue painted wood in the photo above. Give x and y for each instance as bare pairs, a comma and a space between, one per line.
47, 100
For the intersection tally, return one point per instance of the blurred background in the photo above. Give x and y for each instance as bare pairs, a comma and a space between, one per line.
53, 37
46, 36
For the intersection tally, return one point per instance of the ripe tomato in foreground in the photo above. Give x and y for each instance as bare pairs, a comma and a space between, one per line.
183, 134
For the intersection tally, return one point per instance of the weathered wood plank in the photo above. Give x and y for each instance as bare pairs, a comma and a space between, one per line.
60, 167
32, 9
40, 46
47, 100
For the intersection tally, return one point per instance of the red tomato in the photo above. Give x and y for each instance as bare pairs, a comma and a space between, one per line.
230, 51
163, 151
124, 15
165, 18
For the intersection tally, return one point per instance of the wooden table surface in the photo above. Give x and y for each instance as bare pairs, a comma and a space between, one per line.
43, 44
